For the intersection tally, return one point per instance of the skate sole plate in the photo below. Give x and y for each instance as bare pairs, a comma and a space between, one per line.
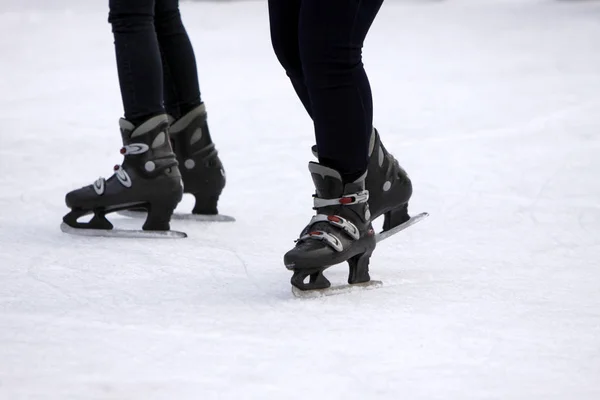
182, 216
335, 290
413, 220
122, 233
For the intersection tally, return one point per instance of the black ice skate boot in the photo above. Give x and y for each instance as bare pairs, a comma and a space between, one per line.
201, 169
340, 231
388, 185
148, 179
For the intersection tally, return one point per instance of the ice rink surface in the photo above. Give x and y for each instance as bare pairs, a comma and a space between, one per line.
493, 107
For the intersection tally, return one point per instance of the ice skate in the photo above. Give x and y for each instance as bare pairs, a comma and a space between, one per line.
201, 169
148, 179
340, 231
390, 189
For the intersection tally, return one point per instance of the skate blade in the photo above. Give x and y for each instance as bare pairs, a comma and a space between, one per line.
122, 233
182, 216
335, 290
413, 220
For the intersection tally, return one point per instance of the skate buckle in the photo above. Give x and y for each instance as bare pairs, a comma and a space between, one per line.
134, 148
338, 222
328, 238
99, 186
347, 200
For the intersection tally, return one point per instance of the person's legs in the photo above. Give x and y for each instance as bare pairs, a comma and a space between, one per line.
138, 58
284, 16
148, 178
181, 87
356, 179
331, 36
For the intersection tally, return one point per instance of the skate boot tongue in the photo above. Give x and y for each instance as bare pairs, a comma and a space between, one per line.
328, 182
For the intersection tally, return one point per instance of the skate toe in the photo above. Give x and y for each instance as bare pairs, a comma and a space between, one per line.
308, 255
78, 197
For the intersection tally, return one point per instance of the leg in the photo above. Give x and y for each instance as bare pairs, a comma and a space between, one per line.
284, 16
331, 36
181, 87
148, 178
138, 58
352, 166
201, 168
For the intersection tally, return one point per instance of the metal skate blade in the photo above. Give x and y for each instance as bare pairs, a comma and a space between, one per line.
335, 290
122, 233
182, 216
413, 220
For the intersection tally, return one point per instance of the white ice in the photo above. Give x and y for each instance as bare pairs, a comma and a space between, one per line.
493, 107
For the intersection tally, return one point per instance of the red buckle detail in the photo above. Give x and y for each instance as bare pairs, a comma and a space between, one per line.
346, 200
123, 150
116, 167
334, 218
315, 233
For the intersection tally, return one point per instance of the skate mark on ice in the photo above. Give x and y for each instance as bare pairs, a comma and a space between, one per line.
533, 207
33, 274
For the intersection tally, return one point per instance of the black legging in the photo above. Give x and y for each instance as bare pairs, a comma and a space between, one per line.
319, 43
155, 59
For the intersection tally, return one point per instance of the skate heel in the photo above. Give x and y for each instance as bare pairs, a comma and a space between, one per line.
205, 204
359, 268
316, 281
159, 215
395, 217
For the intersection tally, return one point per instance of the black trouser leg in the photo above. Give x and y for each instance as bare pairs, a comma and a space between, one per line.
181, 87
138, 58
284, 16
325, 55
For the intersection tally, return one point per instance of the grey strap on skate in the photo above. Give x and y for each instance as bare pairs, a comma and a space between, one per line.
347, 200
99, 186
123, 176
179, 126
328, 238
339, 222
135, 148
346, 226
120, 173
